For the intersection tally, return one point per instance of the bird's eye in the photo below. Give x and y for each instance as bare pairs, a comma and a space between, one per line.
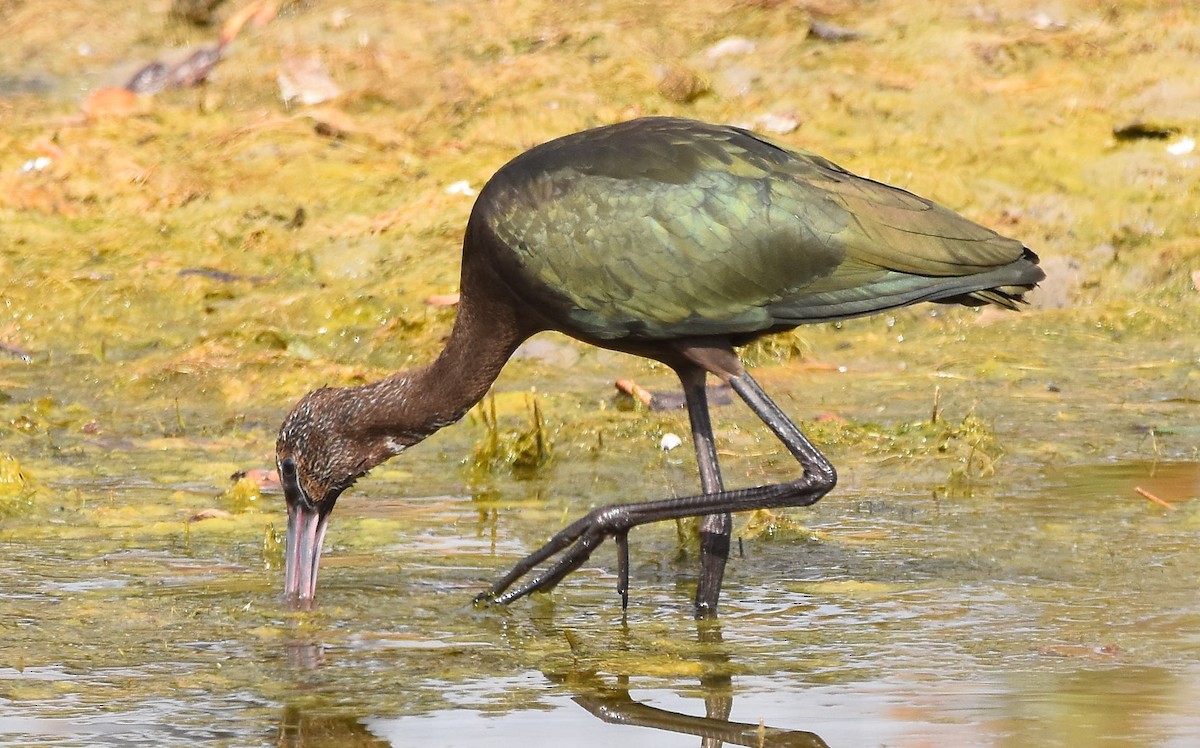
287, 468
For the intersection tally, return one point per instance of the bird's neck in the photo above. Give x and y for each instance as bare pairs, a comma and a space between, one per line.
410, 405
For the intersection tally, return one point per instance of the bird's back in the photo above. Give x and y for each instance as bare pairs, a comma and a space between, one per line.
661, 228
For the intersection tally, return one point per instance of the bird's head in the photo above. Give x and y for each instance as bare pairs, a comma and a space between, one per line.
324, 445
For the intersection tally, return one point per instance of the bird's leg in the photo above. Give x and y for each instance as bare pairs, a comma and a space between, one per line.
715, 529
581, 537
621, 538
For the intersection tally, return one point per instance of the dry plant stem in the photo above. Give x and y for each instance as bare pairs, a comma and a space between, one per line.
1161, 502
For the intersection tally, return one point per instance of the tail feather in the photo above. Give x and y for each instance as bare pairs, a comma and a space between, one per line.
997, 296
1003, 286
1026, 274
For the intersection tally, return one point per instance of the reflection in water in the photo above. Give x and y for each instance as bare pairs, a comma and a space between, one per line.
299, 727
616, 706
305, 655
1068, 618
716, 681
302, 725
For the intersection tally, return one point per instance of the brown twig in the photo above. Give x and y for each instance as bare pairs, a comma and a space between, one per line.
629, 387
1155, 499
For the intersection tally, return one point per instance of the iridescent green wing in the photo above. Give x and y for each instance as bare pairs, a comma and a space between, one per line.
662, 227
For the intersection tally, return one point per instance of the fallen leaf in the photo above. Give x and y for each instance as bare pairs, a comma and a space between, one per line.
257, 11
442, 299
830, 33
262, 477
730, 45
266, 13
210, 513
776, 124
307, 80
109, 102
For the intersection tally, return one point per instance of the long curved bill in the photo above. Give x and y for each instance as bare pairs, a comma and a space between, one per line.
302, 552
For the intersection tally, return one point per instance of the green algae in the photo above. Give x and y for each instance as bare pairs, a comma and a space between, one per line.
16, 487
175, 279
523, 450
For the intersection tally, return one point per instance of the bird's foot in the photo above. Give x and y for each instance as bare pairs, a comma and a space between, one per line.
575, 543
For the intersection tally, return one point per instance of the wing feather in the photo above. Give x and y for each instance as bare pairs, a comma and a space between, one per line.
663, 227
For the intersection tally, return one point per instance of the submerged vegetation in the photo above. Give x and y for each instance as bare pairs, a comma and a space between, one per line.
178, 267
16, 488
522, 450
968, 449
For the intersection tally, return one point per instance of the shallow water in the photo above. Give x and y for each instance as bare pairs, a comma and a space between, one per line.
1043, 602
986, 573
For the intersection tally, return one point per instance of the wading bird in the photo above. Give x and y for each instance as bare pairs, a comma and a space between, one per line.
669, 239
